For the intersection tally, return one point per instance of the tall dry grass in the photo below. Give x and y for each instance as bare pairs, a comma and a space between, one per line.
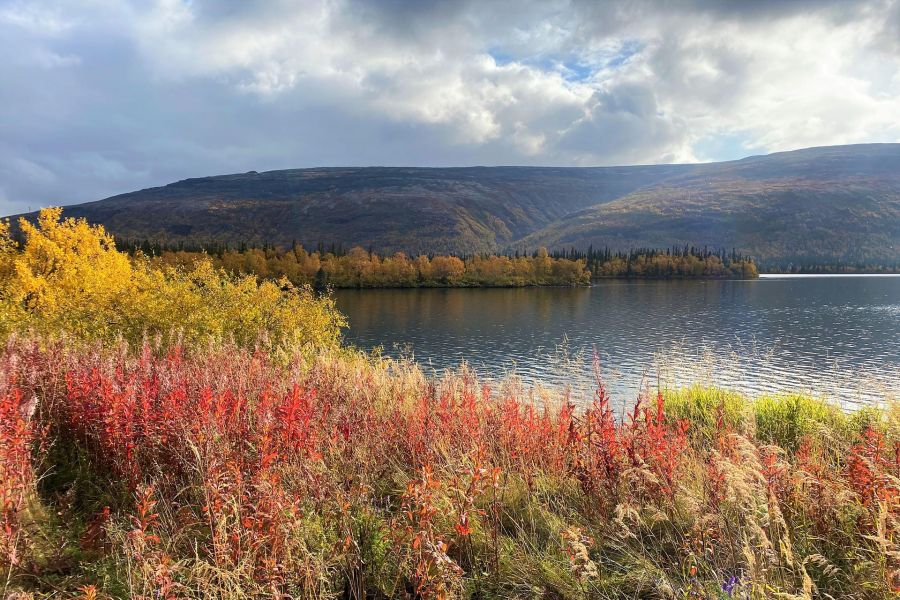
227, 473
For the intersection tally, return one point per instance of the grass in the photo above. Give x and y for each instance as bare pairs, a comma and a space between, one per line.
223, 472
785, 420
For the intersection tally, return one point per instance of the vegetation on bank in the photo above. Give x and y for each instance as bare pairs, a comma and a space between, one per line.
687, 262
220, 472
360, 268
201, 466
67, 277
814, 268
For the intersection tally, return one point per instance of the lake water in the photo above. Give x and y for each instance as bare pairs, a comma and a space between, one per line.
832, 336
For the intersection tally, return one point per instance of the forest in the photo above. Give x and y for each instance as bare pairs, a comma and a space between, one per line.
359, 268
811, 267
687, 262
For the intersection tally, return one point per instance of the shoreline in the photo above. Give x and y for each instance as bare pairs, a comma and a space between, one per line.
626, 279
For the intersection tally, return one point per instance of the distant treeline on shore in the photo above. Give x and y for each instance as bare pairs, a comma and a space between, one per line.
803, 268
360, 268
687, 262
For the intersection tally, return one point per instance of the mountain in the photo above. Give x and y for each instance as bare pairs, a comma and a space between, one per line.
832, 204
458, 210
839, 203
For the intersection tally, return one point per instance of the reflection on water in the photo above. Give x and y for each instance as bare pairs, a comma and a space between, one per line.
832, 336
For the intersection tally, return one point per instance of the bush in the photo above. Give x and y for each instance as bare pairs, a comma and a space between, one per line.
68, 278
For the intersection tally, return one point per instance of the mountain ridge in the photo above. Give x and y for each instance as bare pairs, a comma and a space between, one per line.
830, 203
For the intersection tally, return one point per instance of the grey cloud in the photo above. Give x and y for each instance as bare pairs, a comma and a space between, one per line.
627, 125
100, 99
889, 36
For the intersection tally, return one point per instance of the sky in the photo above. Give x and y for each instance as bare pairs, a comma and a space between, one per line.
99, 97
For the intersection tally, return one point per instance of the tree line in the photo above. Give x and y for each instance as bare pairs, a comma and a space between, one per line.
807, 268
677, 262
360, 268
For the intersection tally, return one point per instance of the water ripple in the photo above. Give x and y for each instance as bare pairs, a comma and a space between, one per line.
829, 336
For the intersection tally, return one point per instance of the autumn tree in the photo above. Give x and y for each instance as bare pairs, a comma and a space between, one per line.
447, 269
68, 278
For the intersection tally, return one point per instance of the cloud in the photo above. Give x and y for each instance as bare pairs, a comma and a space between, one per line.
101, 98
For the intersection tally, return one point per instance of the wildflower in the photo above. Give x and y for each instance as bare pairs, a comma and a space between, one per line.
729, 584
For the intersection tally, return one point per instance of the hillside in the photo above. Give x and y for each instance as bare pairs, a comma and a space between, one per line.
456, 210
839, 203
816, 205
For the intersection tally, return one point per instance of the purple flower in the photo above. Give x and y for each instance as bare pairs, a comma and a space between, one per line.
729, 585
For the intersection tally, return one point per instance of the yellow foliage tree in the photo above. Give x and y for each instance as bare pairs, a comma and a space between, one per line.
69, 278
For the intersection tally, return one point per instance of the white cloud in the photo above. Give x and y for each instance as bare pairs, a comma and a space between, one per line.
40, 20
171, 89
51, 60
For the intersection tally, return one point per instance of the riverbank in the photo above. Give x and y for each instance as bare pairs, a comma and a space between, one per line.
222, 472
823, 275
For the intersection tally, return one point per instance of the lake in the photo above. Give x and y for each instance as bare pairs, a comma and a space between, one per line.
835, 336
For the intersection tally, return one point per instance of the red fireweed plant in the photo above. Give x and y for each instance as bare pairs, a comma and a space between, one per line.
228, 471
